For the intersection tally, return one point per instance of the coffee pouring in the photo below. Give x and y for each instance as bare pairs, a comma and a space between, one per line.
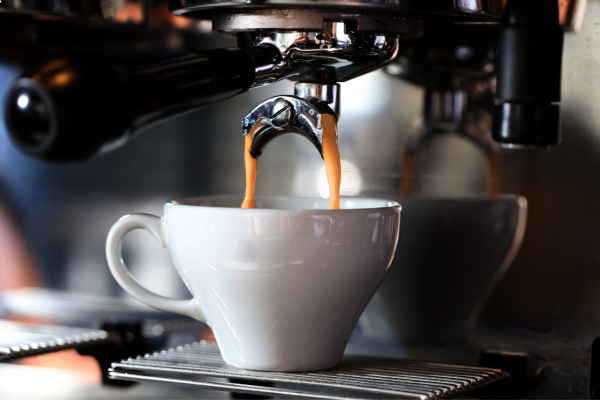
261, 277
134, 75
306, 115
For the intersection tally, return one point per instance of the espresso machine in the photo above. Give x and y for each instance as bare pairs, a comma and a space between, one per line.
82, 79
315, 46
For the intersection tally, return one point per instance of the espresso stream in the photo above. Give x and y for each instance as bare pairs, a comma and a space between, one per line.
331, 156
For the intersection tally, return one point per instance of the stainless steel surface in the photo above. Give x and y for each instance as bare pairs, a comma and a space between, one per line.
22, 340
333, 54
490, 10
282, 114
282, 20
354, 377
319, 92
143, 12
273, 70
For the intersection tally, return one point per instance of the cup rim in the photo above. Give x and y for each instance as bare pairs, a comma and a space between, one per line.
392, 204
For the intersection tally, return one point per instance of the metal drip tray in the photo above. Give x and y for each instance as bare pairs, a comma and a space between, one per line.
23, 340
354, 377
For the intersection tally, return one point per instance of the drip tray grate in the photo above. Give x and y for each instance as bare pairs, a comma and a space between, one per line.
354, 377
22, 340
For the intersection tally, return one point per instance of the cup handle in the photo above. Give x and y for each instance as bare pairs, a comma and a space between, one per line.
119, 270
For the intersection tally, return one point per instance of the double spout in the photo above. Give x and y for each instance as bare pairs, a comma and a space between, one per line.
300, 114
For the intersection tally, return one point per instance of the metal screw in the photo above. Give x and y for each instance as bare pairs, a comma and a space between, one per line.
282, 113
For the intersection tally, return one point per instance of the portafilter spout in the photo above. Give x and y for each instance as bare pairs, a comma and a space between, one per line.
300, 114
67, 107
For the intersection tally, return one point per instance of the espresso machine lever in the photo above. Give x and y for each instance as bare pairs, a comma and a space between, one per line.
300, 114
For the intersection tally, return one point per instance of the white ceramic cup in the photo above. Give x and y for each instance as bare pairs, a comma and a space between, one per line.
283, 285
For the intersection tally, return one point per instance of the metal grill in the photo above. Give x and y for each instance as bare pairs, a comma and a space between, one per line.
22, 340
354, 377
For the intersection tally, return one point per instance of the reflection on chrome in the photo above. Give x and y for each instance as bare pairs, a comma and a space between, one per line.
365, 95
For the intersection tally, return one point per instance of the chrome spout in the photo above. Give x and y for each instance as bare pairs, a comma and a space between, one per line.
300, 114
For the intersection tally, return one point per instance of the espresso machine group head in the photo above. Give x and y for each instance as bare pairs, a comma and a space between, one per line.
71, 105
